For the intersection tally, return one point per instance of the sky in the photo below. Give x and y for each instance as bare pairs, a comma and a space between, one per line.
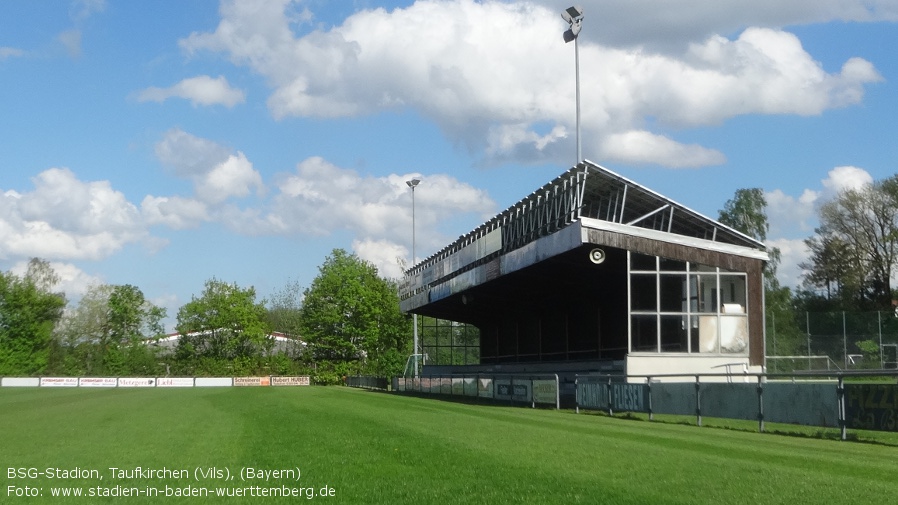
162, 144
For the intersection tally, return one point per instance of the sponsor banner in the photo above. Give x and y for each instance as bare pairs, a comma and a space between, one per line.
293, 381
592, 395
485, 388
458, 386
252, 381
174, 382
98, 382
15, 382
136, 382
872, 406
513, 389
544, 391
57, 382
628, 397
205, 382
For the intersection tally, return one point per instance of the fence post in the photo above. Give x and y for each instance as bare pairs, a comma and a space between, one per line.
558, 393
840, 391
648, 386
608, 392
698, 401
576, 393
760, 405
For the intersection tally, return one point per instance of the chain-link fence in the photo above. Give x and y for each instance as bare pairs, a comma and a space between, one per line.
833, 341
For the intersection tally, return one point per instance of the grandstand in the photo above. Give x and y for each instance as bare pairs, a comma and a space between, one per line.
594, 272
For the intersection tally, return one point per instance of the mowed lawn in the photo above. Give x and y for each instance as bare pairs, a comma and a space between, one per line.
373, 448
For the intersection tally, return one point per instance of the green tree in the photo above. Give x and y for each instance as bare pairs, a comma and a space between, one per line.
865, 220
107, 333
746, 212
351, 319
223, 331
28, 312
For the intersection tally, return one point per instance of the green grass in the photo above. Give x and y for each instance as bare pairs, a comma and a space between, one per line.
374, 448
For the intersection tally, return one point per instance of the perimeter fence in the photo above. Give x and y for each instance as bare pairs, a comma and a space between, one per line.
833, 341
864, 401
532, 389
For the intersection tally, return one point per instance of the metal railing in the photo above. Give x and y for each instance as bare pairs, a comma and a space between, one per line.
823, 399
532, 389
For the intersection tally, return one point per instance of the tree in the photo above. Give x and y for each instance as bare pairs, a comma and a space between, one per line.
351, 319
746, 212
284, 309
863, 222
223, 330
107, 332
28, 312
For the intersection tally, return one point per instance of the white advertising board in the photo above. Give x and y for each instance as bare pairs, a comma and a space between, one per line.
16, 382
206, 382
98, 382
291, 381
59, 382
252, 381
174, 382
137, 382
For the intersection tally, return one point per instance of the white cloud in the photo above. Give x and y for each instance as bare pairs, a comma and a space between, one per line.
646, 147
497, 76
10, 52
200, 90
661, 23
65, 218
793, 219
792, 253
71, 40
72, 280
216, 173
385, 255
174, 212
320, 198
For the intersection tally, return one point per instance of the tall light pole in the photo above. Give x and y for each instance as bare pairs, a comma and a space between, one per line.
574, 17
412, 184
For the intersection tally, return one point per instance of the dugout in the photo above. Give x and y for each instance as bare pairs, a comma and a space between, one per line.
594, 272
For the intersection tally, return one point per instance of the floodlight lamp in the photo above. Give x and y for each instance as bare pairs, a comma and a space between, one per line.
412, 183
574, 17
573, 14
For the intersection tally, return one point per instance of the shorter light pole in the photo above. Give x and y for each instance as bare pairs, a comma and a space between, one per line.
412, 184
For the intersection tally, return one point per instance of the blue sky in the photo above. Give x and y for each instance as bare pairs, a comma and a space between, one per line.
164, 143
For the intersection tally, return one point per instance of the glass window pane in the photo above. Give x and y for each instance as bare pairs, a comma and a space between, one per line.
706, 292
642, 262
674, 334
643, 290
668, 265
732, 293
645, 333
673, 293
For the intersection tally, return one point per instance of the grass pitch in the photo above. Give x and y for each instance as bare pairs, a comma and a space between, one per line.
360, 447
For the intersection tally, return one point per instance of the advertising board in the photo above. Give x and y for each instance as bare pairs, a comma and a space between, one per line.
252, 381
136, 382
59, 382
174, 382
872, 406
302, 380
20, 382
213, 382
98, 382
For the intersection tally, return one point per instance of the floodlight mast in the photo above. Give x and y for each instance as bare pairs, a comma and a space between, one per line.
574, 17
412, 184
